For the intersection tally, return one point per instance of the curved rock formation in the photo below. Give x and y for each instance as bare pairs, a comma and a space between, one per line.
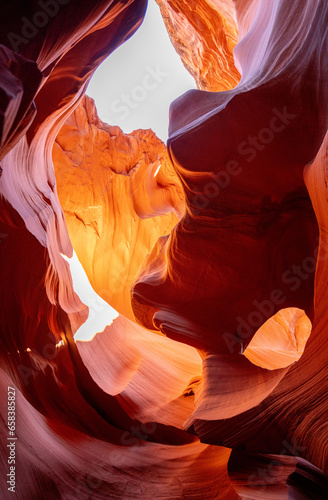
119, 194
240, 156
216, 246
204, 34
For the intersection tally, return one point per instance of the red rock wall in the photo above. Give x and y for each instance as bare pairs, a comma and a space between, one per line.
229, 232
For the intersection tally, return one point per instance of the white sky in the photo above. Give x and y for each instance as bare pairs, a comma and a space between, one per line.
101, 314
134, 86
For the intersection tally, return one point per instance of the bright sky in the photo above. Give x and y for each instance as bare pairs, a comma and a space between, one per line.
134, 86
101, 314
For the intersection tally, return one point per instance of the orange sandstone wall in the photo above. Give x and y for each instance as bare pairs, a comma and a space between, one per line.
217, 243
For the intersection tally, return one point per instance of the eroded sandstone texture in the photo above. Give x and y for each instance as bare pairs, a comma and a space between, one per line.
204, 34
212, 382
119, 194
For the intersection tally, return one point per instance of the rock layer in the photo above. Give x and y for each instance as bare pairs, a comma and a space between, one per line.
204, 35
227, 235
119, 194
249, 238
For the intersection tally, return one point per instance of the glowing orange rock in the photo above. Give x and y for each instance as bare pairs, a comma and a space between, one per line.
119, 193
204, 33
222, 266
281, 339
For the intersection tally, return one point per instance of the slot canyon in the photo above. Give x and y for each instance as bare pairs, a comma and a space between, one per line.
211, 381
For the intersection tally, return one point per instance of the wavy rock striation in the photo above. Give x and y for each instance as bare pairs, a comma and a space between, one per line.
204, 34
119, 194
217, 244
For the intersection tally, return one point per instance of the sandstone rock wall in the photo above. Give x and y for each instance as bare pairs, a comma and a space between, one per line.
215, 246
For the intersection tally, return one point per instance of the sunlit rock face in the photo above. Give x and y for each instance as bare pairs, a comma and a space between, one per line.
212, 382
119, 194
204, 33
